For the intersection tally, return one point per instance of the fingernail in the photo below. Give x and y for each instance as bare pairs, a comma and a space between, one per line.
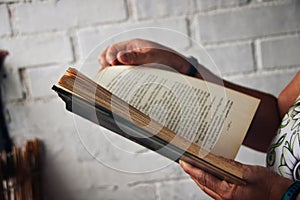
125, 57
182, 163
114, 62
110, 60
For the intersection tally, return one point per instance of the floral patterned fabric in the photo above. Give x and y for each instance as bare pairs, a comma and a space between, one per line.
284, 153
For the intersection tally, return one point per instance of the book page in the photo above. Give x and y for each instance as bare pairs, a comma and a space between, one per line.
206, 114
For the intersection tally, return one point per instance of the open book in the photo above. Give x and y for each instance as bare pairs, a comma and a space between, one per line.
175, 115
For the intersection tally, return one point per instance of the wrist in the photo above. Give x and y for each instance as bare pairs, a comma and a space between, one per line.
280, 187
181, 63
173, 59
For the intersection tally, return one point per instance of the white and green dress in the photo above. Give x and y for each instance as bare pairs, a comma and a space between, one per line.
284, 153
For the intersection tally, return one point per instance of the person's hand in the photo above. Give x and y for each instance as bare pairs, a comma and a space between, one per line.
138, 52
262, 183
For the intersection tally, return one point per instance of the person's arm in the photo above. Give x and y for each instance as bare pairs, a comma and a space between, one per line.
138, 52
289, 95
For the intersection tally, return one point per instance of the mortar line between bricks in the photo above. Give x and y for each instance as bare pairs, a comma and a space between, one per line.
127, 11
157, 194
48, 64
18, 102
211, 11
277, 69
130, 10
25, 84
37, 34
189, 31
157, 181
280, 67
195, 38
92, 27
227, 43
281, 36
264, 72
74, 48
40, 33
168, 16
44, 65
257, 55
10, 3
70, 29
250, 39
131, 23
10, 20
245, 6
206, 44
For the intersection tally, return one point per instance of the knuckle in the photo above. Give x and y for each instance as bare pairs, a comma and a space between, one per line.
227, 190
135, 40
201, 178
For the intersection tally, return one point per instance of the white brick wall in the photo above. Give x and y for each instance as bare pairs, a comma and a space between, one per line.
240, 56
252, 42
266, 81
155, 30
42, 79
154, 9
280, 52
9, 1
204, 5
26, 51
250, 22
181, 189
12, 86
47, 16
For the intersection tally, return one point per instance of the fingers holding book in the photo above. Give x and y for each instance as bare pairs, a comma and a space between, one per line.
139, 52
260, 181
214, 187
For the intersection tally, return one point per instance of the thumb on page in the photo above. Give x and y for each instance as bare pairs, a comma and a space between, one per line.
131, 57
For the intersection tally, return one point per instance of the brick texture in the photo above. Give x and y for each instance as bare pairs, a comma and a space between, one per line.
217, 58
12, 86
204, 5
142, 192
163, 31
270, 83
281, 52
31, 51
43, 78
240, 57
187, 188
155, 9
35, 118
9, 1
65, 14
249, 23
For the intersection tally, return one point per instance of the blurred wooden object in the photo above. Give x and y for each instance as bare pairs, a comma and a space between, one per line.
19, 170
20, 173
